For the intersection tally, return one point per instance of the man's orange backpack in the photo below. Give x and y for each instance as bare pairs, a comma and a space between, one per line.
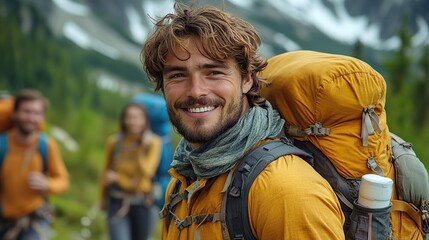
333, 106
6, 109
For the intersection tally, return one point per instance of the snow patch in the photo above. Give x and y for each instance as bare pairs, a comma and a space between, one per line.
72, 7
76, 34
137, 29
247, 4
286, 42
422, 36
157, 8
110, 83
63, 137
79, 36
340, 26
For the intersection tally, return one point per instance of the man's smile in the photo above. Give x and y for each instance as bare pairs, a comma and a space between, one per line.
201, 109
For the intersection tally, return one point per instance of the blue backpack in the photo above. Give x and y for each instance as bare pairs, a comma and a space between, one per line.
42, 148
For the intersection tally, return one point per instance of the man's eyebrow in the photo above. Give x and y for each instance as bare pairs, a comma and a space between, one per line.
168, 69
215, 65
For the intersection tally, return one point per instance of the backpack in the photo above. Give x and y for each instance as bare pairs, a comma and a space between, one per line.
6, 109
333, 106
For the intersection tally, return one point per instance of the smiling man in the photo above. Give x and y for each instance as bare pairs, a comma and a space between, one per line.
205, 62
31, 168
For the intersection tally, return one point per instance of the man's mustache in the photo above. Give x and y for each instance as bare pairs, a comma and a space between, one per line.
190, 101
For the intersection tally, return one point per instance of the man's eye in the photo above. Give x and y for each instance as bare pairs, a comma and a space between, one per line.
214, 73
176, 75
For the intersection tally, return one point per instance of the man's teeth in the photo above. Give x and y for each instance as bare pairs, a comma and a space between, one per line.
201, 109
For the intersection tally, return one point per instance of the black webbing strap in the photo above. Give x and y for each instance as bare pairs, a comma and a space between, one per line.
198, 219
252, 164
170, 207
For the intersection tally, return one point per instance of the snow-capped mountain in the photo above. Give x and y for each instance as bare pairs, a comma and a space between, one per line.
373, 23
118, 28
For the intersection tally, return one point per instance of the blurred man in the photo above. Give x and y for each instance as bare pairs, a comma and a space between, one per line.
31, 169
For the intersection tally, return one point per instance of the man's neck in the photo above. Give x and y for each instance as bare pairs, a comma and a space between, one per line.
24, 138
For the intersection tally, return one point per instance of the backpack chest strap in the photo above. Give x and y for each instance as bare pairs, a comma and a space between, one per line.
197, 219
174, 199
168, 211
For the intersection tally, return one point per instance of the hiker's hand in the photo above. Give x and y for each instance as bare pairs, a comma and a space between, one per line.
111, 177
38, 181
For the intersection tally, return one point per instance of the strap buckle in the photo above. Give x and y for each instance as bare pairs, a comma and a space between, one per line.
317, 129
179, 223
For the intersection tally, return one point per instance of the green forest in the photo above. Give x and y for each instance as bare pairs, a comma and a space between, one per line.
64, 73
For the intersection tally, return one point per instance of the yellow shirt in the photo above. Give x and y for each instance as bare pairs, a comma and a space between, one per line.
134, 164
288, 200
16, 197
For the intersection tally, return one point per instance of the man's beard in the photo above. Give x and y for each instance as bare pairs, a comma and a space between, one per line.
23, 130
197, 136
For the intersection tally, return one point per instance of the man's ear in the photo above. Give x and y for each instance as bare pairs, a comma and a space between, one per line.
247, 83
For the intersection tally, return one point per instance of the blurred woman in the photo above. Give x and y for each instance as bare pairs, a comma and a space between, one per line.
132, 158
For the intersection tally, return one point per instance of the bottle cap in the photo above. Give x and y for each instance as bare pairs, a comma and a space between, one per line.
375, 191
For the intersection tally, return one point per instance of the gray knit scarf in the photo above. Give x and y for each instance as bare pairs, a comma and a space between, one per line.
220, 154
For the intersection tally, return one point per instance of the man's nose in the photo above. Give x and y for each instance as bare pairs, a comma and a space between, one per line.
197, 86
35, 116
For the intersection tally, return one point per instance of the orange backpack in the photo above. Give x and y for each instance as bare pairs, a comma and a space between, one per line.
335, 103
6, 109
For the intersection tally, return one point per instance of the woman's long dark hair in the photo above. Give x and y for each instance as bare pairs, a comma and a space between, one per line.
122, 125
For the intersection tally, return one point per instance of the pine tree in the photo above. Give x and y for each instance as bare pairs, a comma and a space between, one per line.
421, 90
358, 50
399, 65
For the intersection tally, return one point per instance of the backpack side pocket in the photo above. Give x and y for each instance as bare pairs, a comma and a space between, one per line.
369, 223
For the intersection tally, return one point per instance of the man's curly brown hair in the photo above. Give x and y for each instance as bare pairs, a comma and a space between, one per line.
221, 34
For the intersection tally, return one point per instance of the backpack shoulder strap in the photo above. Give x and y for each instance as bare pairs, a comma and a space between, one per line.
3, 147
118, 147
42, 148
236, 197
174, 198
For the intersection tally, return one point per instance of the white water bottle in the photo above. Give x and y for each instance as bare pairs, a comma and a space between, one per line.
375, 191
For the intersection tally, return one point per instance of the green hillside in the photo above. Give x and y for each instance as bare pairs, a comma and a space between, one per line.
65, 74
